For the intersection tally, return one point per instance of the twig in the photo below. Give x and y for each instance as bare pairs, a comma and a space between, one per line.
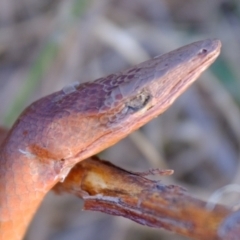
110, 189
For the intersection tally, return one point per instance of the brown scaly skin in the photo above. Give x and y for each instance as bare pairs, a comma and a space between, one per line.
59, 130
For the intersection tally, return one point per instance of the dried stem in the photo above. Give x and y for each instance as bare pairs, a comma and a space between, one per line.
110, 189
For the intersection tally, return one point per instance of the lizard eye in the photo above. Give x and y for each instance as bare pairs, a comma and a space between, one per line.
138, 102
203, 51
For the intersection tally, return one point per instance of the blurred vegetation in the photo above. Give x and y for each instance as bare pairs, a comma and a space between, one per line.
47, 44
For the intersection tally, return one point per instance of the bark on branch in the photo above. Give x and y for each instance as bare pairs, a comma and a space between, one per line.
110, 189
